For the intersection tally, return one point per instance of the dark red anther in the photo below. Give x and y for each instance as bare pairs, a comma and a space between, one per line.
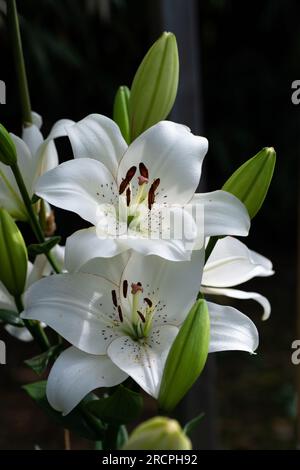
144, 170
128, 197
114, 298
151, 194
129, 175
148, 302
120, 314
125, 288
141, 316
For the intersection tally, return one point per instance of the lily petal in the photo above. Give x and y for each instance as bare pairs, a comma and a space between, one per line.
144, 360
232, 263
81, 186
75, 374
240, 294
85, 245
78, 306
20, 333
231, 330
98, 137
172, 153
6, 300
32, 137
224, 214
172, 288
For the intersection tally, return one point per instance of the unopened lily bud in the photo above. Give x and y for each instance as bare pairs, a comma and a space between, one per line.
121, 111
8, 153
13, 255
251, 181
159, 433
186, 358
155, 84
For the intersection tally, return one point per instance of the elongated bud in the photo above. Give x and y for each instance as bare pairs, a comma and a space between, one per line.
13, 255
154, 87
121, 111
251, 181
158, 433
186, 358
8, 153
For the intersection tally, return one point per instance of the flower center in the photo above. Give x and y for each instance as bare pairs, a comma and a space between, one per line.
137, 322
144, 193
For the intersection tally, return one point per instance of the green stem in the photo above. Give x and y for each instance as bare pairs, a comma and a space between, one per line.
31, 214
13, 24
34, 327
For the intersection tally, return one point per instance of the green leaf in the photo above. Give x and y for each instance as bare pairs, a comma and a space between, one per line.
41, 248
11, 317
40, 362
192, 424
122, 407
76, 421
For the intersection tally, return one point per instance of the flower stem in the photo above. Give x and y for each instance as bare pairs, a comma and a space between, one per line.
34, 327
13, 25
31, 214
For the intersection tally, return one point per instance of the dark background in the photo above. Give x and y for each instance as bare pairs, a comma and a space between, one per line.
247, 55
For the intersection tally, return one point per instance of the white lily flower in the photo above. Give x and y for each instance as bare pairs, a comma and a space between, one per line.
121, 316
37, 270
126, 186
231, 263
35, 156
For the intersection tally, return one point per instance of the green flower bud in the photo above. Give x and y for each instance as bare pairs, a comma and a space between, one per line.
251, 181
13, 255
121, 112
187, 357
154, 87
8, 153
159, 433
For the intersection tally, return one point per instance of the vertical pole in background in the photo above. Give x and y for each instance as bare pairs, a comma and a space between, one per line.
181, 18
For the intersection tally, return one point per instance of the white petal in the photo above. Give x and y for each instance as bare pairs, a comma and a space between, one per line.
224, 214
78, 306
75, 374
80, 186
6, 300
240, 294
172, 287
231, 330
20, 333
37, 119
232, 263
60, 128
172, 153
26, 162
41, 266
109, 268
84, 245
98, 137
32, 137
172, 250
144, 360
10, 197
